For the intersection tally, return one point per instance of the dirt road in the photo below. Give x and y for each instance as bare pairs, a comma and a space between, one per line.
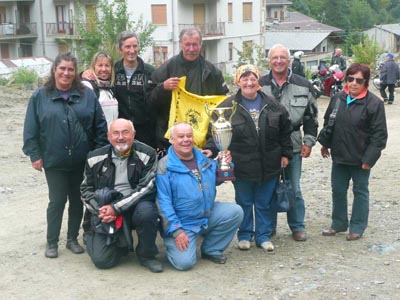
321, 268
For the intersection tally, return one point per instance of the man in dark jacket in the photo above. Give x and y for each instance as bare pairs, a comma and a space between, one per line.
118, 191
133, 87
297, 95
202, 78
338, 59
389, 76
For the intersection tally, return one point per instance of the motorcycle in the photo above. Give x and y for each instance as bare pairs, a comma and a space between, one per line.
327, 82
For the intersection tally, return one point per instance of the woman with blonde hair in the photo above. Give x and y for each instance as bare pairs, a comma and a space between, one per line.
103, 68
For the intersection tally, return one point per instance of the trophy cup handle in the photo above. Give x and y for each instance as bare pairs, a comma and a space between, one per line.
234, 105
209, 112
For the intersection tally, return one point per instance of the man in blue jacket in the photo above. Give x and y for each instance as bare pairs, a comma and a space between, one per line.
186, 189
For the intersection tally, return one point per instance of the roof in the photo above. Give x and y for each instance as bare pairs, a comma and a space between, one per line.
299, 21
278, 2
295, 40
41, 65
393, 28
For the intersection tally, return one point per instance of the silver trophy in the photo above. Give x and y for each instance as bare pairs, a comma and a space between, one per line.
221, 131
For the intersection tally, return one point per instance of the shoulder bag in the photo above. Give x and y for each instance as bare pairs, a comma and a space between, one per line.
325, 135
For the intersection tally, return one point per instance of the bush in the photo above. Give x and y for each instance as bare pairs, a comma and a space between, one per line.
3, 81
24, 76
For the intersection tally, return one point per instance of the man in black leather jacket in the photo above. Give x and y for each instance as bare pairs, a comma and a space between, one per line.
202, 78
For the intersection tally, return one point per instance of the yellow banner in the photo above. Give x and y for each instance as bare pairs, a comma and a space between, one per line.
188, 107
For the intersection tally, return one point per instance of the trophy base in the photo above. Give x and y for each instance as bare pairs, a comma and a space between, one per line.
225, 175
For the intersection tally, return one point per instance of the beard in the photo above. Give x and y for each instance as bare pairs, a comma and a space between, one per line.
122, 148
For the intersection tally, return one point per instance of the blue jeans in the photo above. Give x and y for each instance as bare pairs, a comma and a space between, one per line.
295, 216
223, 222
340, 178
257, 195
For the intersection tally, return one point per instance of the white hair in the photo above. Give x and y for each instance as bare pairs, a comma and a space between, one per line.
129, 121
172, 130
278, 46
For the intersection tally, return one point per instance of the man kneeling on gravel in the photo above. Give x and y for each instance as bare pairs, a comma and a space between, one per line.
119, 192
186, 189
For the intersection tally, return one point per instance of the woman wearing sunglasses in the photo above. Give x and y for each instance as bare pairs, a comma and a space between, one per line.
359, 136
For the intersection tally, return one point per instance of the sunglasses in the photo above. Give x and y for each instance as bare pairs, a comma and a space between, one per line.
358, 80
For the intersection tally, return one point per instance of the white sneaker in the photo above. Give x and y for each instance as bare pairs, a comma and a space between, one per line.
268, 246
243, 245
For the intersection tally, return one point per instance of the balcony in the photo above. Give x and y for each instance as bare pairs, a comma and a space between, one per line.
207, 30
14, 30
61, 29
80, 1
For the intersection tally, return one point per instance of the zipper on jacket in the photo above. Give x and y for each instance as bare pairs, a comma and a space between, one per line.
258, 121
69, 129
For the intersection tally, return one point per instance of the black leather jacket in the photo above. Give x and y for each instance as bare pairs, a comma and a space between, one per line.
257, 154
209, 82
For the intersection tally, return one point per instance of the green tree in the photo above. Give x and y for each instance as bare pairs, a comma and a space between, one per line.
366, 52
246, 56
99, 31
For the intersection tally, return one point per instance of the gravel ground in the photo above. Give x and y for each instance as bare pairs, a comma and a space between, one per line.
320, 268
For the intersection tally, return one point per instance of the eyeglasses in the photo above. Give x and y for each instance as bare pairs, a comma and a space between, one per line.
279, 57
358, 80
117, 134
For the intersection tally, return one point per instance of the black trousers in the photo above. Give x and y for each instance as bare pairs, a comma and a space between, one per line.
391, 91
144, 219
63, 186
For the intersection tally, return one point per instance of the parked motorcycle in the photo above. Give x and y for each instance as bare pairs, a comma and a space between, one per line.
327, 82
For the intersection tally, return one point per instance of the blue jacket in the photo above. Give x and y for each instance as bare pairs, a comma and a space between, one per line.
53, 133
184, 202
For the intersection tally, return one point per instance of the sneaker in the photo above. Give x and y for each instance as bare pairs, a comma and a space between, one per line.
385, 100
268, 246
152, 264
218, 259
74, 246
390, 102
51, 251
243, 245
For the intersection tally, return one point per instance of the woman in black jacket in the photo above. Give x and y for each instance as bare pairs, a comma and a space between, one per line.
63, 122
260, 147
359, 136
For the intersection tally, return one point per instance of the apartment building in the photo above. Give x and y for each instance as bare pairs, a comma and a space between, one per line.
39, 27
46, 27
18, 33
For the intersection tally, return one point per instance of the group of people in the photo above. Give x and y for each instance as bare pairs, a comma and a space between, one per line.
124, 183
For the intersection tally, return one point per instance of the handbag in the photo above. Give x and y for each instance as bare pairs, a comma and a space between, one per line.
326, 133
284, 195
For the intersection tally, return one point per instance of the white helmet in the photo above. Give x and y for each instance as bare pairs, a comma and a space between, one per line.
298, 54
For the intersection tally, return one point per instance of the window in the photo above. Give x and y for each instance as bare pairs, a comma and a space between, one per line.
60, 15
159, 14
62, 48
248, 49
3, 15
160, 54
25, 18
91, 18
230, 51
230, 18
247, 11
